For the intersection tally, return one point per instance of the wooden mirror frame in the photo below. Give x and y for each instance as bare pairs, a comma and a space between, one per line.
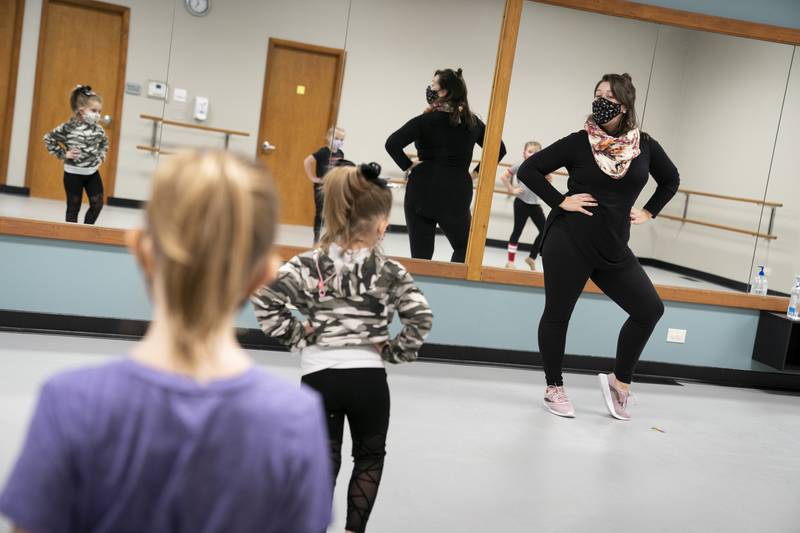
473, 269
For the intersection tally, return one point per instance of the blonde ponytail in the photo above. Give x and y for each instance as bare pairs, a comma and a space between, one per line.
212, 219
355, 198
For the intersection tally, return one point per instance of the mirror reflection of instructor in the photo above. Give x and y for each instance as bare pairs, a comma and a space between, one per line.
439, 188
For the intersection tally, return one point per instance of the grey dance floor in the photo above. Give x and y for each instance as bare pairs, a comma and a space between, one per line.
472, 450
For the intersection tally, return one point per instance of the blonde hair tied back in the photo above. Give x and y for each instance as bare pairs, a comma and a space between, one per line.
212, 219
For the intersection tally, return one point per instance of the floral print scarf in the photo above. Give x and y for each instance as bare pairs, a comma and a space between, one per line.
612, 154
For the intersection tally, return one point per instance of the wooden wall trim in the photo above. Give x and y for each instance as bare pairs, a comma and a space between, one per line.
506, 50
683, 19
5, 141
62, 231
23, 227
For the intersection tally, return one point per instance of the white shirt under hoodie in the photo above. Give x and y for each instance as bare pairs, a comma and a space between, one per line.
315, 358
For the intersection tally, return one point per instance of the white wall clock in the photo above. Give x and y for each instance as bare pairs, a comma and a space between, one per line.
198, 8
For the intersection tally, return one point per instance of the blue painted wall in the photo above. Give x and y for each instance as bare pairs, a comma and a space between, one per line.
777, 12
91, 280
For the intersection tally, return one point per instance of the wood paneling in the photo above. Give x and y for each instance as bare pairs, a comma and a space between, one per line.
296, 123
683, 19
506, 49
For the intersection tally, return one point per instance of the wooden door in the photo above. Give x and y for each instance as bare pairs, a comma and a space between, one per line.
10, 33
69, 56
300, 102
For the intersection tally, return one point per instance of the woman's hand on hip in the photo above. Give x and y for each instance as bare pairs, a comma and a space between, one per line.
412, 167
640, 216
577, 202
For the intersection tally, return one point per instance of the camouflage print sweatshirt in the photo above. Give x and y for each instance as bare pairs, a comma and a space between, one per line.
90, 139
353, 306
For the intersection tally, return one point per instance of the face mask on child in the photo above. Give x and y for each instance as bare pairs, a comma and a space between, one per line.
337, 144
91, 117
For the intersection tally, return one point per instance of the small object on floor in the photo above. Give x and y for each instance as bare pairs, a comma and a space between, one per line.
510, 265
531, 263
658, 429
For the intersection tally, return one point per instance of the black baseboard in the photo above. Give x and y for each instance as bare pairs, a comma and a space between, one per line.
646, 371
126, 202
13, 189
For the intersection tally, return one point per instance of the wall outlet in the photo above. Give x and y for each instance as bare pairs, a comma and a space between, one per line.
676, 335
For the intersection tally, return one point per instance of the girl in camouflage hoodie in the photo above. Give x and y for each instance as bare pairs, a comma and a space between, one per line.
82, 144
349, 291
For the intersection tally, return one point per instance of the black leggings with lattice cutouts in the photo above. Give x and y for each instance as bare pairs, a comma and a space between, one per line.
74, 185
362, 396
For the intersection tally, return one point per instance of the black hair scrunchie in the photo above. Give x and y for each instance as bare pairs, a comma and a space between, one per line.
372, 171
85, 89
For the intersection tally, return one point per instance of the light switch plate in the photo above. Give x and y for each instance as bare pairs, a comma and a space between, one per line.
676, 335
179, 95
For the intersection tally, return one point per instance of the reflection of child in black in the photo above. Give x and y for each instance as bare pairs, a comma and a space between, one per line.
317, 165
526, 205
82, 144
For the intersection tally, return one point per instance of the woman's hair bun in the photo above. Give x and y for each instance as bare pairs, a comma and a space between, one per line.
458, 72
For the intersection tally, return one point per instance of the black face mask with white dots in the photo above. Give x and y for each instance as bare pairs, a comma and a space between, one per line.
604, 110
430, 95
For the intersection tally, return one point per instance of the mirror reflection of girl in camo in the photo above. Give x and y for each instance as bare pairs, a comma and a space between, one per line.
349, 291
82, 144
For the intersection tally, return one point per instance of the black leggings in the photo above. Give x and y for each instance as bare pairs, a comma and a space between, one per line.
522, 212
422, 233
74, 184
319, 201
362, 396
566, 271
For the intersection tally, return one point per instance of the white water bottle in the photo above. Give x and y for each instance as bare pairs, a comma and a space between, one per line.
759, 284
794, 300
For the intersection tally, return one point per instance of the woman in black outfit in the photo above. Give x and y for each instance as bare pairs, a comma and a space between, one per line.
439, 188
586, 234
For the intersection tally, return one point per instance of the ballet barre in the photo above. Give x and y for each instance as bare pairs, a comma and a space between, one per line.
684, 219
160, 120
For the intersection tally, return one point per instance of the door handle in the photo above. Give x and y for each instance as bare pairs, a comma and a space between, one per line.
268, 147
107, 120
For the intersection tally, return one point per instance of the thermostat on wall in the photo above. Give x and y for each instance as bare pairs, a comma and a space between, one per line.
133, 88
157, 89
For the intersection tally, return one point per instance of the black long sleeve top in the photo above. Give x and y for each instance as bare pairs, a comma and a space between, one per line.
602, 237
441, 184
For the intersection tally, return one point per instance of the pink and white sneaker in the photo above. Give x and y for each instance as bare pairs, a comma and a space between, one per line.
615, 399
557, 402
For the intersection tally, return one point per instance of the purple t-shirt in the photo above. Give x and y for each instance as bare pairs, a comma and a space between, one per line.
127, 448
